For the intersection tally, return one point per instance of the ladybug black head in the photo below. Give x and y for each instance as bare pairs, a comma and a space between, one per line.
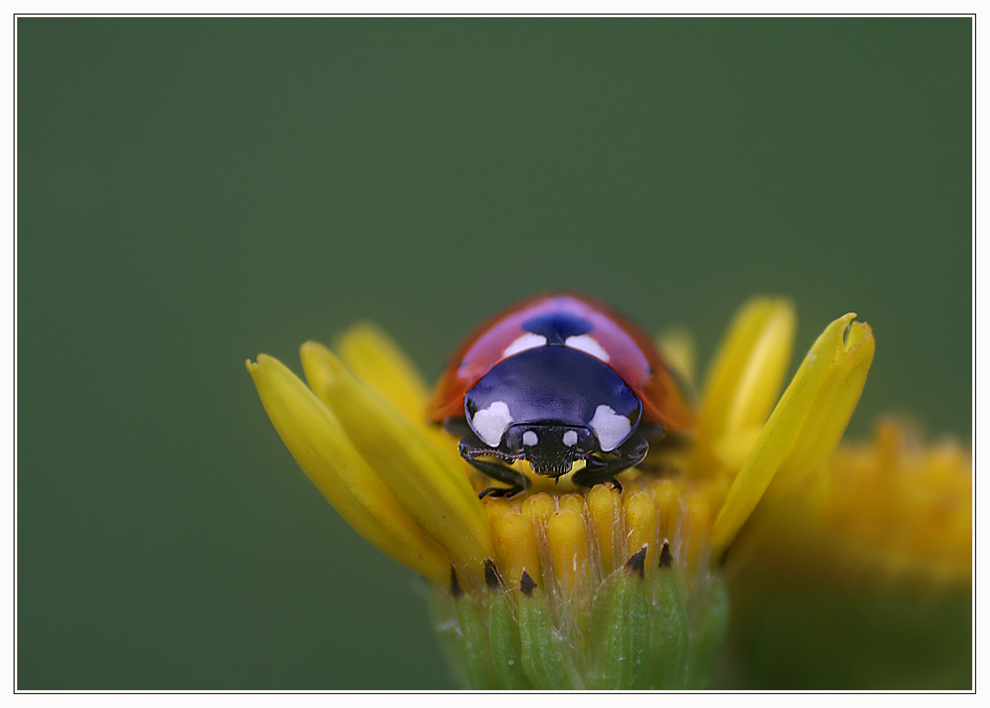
552, 405
549, 448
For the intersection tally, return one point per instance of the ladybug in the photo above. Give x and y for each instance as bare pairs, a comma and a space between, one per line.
555, 379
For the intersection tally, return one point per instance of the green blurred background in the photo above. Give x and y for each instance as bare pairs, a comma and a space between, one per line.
194, 191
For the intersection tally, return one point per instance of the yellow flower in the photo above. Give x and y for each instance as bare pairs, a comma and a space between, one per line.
563, 587
872, 553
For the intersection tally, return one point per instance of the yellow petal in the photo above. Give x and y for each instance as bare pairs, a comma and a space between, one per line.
678, 349
641, 525
538, 507
667, 496
320, 446
806, 424
745, 378
568, 540
829, 410
604, 511
515, 539
733, 448
697, 523
431, 489
378, 361
375, 359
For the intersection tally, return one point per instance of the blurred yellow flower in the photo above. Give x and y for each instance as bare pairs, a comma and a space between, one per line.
859, 576
563, 587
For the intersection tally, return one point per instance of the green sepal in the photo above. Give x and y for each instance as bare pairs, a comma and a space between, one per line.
506, 643
473, 621
544, 657
670, 631
447, 632
624, 630
708, 615
460, 622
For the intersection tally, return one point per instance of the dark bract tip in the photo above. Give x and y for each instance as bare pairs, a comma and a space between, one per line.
527, 584
455, 587
492, 577
637, 562
666, 557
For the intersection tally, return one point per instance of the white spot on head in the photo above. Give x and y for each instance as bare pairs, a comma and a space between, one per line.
570, 438
589, 345
491, 423
610, 427
526, 341
530, 438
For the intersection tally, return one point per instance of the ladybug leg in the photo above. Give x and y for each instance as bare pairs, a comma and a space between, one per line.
597, 470
471, 448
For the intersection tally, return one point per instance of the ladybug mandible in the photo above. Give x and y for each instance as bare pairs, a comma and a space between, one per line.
556, 379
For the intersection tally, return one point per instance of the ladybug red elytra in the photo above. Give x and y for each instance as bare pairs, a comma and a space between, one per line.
555, 379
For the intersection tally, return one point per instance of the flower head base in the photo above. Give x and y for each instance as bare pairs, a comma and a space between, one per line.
600, 590
564, 587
